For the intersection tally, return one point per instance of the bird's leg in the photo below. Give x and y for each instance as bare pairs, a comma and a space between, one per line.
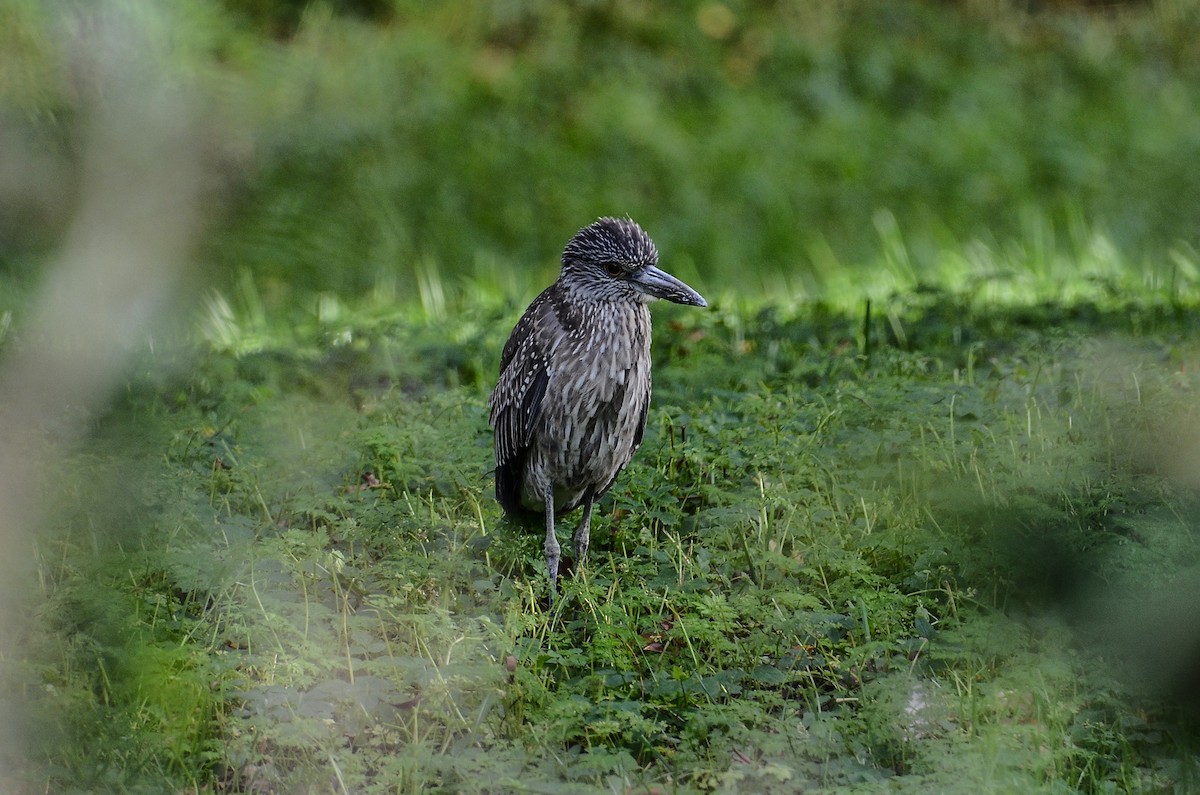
584, 533
553, 550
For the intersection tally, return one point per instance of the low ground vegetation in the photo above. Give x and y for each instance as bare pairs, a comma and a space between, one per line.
943, 546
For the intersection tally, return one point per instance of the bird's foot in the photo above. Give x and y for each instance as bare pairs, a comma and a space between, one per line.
583, 534
581, 548
553, 558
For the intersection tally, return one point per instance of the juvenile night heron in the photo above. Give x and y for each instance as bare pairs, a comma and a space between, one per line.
570, 406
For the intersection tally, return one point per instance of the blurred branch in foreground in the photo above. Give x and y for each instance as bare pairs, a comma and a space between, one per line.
135, 217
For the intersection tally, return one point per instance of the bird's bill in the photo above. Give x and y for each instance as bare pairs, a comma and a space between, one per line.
657, 283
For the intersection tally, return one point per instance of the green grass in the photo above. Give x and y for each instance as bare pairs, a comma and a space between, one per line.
916, 506
956, 563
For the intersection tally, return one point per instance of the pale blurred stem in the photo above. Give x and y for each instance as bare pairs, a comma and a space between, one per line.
136, 218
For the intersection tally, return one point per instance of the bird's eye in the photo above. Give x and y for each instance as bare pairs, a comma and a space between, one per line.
612, 268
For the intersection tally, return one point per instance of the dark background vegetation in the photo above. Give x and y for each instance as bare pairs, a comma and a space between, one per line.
758, 142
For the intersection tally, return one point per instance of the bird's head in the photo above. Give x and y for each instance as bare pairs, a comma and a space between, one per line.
613, 259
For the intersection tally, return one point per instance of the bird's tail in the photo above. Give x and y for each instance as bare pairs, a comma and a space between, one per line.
508, 492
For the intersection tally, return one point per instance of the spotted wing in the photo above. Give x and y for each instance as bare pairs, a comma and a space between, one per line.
516, 403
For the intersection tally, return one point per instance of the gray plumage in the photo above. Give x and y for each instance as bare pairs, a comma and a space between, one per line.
570, 406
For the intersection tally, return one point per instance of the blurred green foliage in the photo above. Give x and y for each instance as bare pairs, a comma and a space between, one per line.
762, 144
